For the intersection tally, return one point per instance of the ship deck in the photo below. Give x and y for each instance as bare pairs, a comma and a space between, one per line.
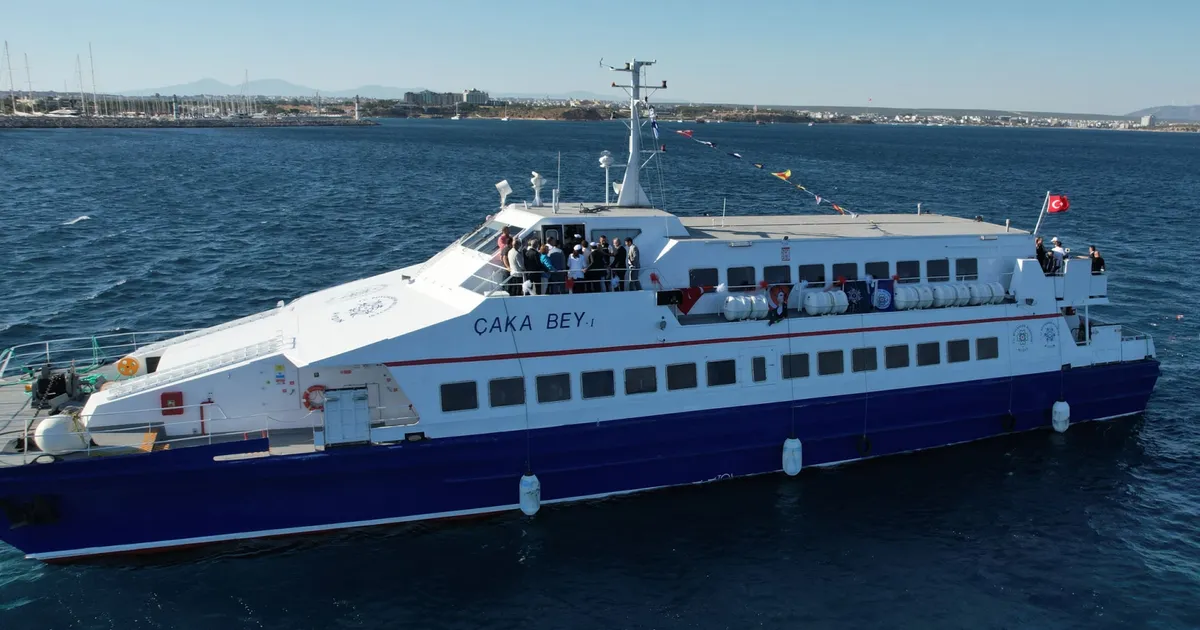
796, 227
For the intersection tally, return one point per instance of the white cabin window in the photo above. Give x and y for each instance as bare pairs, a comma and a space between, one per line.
460, 396
929, 353
777, 274
896, 357
553, 388
722, 372
846, 271
740, 278
966, 269
958, 351
703, 278
643, 380
597, 384
937, 270
794, 365
878, 270
864, 360
505, 392
831, 362
987, 348
681, 376
814, 274
909, 270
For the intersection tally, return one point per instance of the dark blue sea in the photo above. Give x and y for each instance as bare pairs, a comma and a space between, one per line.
1096, 528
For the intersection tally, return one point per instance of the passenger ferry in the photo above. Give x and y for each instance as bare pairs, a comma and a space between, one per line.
744, 346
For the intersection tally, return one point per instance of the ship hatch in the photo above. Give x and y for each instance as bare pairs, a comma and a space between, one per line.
347, 416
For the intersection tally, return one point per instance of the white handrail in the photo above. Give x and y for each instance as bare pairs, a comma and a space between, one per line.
178, 373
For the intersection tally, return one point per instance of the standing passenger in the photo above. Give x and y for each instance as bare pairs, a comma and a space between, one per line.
516, 266
533, 267
619, 263
1097, 260
576, 265
634, 258
504, 239
558, 277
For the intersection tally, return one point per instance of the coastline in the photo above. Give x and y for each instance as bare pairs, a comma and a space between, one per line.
90, 122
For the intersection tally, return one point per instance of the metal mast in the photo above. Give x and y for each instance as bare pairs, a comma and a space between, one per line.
92, 63
29, 86
632, 194
12, 93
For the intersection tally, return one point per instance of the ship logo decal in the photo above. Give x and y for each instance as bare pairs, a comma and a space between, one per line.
1022, 336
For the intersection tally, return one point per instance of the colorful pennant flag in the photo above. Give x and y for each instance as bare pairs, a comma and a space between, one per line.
785, 175
686, 133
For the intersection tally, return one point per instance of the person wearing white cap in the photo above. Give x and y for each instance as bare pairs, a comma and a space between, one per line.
1059, 253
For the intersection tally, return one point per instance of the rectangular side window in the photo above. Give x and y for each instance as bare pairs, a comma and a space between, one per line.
681, 376
553, 387
929, 353
937, 270
814, 274
987, 348
794, 365
895, 357
966, 269
740, 279
830, 362
845, 271
878, 270
597, 384
958, 351
505, 392
702, 278
460, 396
722, 372
909, 270
864, 360
643, 380
758, 366
777, 274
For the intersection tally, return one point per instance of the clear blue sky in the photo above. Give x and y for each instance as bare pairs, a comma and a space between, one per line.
1099, 56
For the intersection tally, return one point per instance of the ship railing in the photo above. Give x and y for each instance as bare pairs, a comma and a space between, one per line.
163, 377
85, 353
152, 436
494, 280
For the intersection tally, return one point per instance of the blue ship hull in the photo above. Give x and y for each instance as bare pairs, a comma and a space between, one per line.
167, 499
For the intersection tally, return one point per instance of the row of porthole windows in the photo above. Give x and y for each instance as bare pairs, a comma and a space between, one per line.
504, 392
745, 278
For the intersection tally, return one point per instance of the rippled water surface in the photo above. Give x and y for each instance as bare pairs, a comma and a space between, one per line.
1097, 528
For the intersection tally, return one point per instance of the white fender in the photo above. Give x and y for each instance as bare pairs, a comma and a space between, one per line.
1060, 416
531, 494
793, 456
60, 434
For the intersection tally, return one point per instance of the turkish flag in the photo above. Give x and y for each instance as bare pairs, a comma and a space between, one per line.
690, 296
1058, 203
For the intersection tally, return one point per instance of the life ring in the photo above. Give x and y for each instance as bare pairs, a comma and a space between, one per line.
314, 403
1009, 422
864, 446
128, 366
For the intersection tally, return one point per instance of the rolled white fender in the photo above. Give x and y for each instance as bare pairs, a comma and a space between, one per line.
60, 434
793, 456
1060, 416
531, 494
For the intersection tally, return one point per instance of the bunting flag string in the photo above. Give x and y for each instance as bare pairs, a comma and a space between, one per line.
784, 175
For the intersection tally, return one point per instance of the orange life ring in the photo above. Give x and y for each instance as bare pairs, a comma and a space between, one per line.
314, 405
128, 366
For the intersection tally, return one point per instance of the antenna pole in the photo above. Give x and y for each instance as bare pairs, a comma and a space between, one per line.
28, 85
82, 97
724, 200
558, 183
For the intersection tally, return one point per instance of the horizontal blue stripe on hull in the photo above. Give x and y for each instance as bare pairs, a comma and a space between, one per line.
178, 497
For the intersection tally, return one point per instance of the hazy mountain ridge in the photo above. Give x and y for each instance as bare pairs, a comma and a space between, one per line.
1181, 113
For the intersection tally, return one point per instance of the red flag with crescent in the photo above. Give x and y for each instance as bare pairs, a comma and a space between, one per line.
1058, 203
777, 299
690, 296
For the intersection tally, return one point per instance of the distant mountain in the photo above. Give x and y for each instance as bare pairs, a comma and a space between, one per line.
1181, 113
565, 96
